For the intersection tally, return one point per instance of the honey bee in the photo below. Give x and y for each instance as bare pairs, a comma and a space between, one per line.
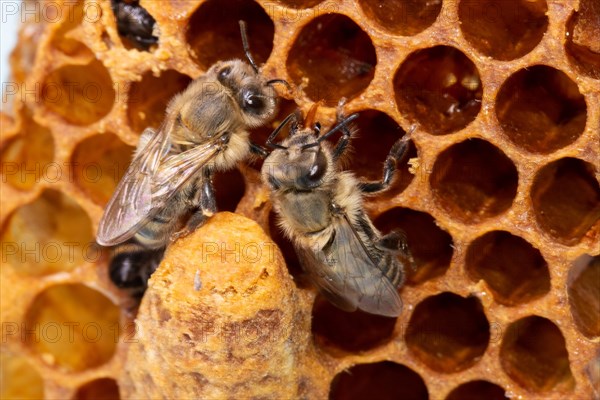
320, 208
206, 129
134, 23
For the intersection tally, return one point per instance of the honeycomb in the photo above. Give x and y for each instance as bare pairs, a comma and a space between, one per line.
499, 199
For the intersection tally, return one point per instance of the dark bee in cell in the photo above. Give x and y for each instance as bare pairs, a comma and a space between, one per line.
320, 209
134, 23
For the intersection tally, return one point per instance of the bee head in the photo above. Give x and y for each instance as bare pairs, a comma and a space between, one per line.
295, 165
255, 97
304, 160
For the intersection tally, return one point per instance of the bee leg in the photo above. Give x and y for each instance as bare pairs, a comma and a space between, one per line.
258, 150
208, 205
197, 219
397, 153
204, 205
342, 143
397, 242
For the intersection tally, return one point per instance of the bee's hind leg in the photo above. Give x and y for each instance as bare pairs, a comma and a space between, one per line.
204, 206
398, 151
396, 242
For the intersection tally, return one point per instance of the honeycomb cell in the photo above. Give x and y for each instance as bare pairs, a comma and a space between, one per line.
447, 332
533, 354
332, 58
27, 158
540, 109
288, 251
430, 246
72, 327
214, 31
63, 38
375, 134
513, 269
404, 18
383, 380
19, 379
49, 235
583, 288
148, 98
439, 88
474, 180
477, 390
506, 29
350, 331
581, 44
229, 189
300, 3
566, 199
98, 164
79, 94
99, 389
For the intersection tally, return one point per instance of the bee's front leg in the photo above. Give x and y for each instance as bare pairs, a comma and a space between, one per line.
343, 141
204, 205
397, 153
258, 150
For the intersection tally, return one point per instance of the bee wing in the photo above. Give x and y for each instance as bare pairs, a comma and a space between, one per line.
348, 276
175, 171
148, 184
132, 200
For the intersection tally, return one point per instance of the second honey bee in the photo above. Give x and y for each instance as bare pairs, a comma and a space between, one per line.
320, 210
206, 129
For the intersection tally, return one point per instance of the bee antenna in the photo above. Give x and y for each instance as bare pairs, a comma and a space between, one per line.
276, 131
343, 124
246, 46
336, 128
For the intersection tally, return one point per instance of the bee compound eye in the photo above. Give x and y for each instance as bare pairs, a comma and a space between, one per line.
253, 103
318, 169
224, 73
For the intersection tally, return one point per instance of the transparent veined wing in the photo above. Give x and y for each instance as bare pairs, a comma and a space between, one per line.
153, 177
131, 202
348, 275
175, 171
